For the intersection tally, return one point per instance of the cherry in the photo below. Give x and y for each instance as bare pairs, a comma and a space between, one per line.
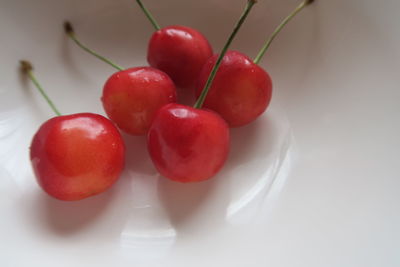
75, 156
132, 96
242, 90
177, 50
188, 144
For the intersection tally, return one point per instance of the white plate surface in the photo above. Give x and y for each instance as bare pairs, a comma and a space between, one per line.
314, 182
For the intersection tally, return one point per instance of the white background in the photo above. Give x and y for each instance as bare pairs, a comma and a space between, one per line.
314, 182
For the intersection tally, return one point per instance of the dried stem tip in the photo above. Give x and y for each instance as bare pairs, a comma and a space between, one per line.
68, 28
26, 66
309, 2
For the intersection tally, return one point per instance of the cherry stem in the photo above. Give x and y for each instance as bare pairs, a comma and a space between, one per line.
26, 68
279, 28
69, 30
203, 95
149, 15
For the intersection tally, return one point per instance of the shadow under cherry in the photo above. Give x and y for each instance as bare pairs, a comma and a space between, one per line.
71, 217
183, 201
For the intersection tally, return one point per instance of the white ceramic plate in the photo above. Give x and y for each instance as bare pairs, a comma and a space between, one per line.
314, 182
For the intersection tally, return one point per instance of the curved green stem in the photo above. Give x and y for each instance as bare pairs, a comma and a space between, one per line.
149, 15
27, 69
279, 28
202, 97
69, 30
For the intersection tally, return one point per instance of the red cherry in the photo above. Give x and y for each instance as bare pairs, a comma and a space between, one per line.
188, 144
77, 156
131, 97
177, 50
241, 90
180, 52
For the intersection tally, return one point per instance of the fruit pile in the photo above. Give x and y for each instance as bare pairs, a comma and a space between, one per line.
80, 155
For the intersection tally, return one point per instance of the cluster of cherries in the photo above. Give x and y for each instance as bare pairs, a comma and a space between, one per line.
80, 155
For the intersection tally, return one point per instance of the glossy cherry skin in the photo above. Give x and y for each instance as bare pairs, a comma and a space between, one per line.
241, 90
180, 52
131, 97
188, 144
77, 156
